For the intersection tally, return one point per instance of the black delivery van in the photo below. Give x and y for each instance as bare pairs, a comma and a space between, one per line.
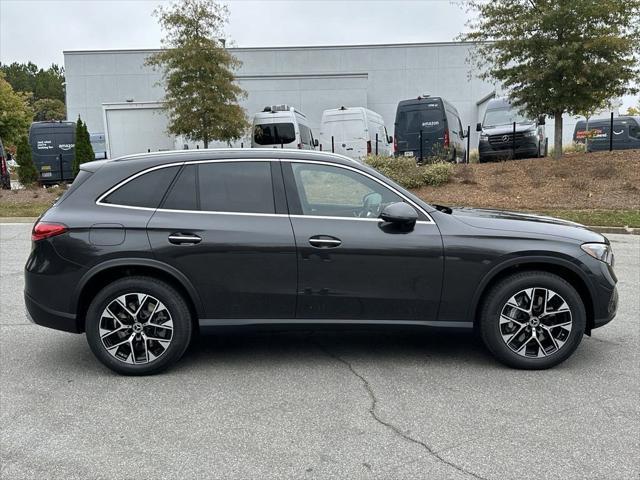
53, 149
436, 121
626, 133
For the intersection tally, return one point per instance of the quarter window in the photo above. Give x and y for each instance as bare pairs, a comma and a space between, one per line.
243, 187
325, 190
146, 190
183, 193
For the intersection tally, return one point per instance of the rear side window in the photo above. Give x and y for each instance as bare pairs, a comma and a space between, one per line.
146, 190
274, 133
243, 187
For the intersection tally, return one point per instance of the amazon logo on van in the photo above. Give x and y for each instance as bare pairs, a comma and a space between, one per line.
66, 146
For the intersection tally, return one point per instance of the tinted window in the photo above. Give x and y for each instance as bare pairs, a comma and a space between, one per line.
182, 195
634, 130
236, 187
427, 117
144, 191
326, 190
274, 133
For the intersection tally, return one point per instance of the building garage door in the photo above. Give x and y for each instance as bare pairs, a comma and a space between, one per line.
136, 128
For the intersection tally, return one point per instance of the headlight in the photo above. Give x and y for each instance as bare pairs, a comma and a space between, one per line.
600, 251
483, 137
530, 133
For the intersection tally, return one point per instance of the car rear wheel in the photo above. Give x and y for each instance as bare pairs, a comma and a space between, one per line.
138, 326
532, 320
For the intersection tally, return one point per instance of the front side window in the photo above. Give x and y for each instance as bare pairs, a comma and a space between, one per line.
305, 135
243, 187
274, 133
146, 190
326, 190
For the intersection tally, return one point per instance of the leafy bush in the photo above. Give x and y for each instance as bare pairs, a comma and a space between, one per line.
408, 173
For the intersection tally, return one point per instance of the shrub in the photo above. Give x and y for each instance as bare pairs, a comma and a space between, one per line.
27, 173
408, 173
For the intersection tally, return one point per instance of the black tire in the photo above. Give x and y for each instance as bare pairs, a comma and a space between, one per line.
510, 286
175, 305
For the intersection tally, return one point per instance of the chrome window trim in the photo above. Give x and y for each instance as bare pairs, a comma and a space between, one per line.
100, 199
368, 175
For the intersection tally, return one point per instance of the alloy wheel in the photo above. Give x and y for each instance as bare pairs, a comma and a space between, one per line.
136, 328
535, 322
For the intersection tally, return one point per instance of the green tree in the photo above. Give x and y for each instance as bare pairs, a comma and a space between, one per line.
15, 112
83, 151
201, 98
49, 109
27, 77
557, 56
27, 173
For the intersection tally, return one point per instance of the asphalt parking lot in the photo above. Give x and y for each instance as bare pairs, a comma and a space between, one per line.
326, 404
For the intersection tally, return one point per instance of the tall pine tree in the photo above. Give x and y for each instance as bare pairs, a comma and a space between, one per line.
27, 173
83, 151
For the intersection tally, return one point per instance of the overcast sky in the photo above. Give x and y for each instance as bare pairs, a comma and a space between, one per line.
40, 30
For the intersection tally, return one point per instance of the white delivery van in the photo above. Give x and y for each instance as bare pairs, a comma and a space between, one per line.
281, 126
354, 132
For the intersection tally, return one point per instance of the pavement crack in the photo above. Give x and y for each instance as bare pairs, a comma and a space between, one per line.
390, 426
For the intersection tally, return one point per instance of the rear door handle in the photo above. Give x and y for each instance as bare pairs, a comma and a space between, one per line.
324, 241
184, 239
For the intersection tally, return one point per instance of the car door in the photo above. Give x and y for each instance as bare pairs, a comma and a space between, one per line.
224, 225
351, 265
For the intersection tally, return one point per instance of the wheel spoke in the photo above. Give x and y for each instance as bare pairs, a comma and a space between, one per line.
149, 321
535, 322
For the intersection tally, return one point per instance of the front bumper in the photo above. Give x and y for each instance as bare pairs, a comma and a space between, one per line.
612, 309
523, 150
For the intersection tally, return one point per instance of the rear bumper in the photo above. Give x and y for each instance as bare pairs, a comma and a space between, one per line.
46, 317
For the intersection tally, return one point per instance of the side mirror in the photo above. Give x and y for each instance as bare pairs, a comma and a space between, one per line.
541, 120
478, 127
390, 139
400, 213
315, 142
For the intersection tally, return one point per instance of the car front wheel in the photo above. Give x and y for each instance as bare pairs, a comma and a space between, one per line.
138, 326
533, 320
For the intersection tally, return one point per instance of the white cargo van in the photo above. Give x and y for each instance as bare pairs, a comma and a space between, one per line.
354, 132
281, 126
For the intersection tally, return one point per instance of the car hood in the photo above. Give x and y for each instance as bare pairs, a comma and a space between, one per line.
526, 223
505, 129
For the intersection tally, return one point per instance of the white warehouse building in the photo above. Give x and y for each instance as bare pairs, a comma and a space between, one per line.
115, 93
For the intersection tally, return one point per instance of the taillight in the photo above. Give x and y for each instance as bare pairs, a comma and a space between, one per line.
446, 138
368, 147
3, 166
395, 143
42, 230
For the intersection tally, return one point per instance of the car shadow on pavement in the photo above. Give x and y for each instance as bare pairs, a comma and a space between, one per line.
276, 346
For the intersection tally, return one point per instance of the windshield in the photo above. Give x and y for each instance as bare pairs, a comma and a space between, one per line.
274, 133
503, 116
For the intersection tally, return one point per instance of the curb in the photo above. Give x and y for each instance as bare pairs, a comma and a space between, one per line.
620, 230
30, 220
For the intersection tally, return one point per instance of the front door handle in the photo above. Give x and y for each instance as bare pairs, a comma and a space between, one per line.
324, 241
184, 239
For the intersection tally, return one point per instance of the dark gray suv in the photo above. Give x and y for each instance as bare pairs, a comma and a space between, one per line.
141, 252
